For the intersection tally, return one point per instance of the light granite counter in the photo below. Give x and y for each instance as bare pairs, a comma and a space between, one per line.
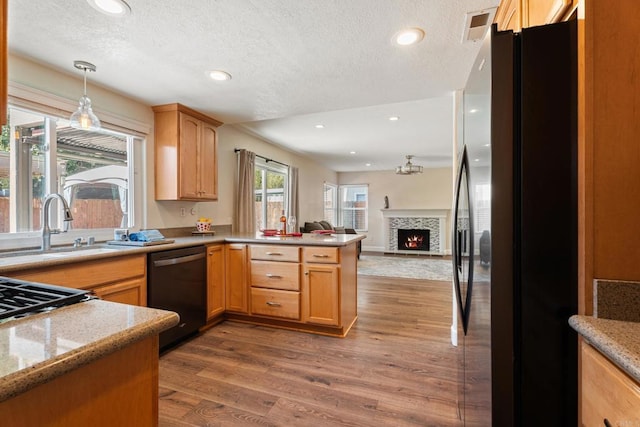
41, 347
307, 239
618, 340
102, 250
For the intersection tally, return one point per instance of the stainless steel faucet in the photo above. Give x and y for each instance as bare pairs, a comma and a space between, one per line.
46, 230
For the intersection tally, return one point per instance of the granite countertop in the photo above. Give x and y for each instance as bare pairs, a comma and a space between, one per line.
307, 239
101, 250
617, 339
41, 347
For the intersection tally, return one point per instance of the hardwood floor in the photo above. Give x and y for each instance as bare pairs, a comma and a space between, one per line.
396, 367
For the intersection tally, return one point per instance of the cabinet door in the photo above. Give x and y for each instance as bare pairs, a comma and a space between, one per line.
508, 15
607, 392
208, 163
189, 140
236, 283
321, 294
215, 280
132, 292
540, 12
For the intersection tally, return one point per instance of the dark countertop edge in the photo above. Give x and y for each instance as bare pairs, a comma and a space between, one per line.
24, 380
618, 340
180, 242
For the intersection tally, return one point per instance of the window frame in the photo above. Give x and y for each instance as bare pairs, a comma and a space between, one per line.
270, 166
342, 208
135, 157
334, 216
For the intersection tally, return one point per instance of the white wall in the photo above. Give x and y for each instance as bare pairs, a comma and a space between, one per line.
166, 214
432, 189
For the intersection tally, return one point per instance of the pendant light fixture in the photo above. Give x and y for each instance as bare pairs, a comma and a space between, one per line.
409, 168
84, 118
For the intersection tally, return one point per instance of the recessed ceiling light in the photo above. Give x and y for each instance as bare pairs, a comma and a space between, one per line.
473, 110
367, 164
352, 152
319, 126
487, 145
409, 36
476, 160
110, 7
219, 75
394, 118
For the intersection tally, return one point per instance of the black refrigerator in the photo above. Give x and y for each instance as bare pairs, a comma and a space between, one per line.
516, 280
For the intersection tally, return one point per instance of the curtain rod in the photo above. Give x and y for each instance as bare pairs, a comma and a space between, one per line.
235, 150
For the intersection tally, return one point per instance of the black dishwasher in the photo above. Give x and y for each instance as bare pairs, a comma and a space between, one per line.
177, 281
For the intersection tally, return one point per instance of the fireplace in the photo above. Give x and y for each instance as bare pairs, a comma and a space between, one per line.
413, 239
433, 220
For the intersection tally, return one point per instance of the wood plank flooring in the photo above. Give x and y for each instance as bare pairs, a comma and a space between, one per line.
395, 368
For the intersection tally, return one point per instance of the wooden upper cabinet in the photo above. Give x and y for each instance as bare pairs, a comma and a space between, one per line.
508, 15
540, 12
185, 153
3, 63
518, 14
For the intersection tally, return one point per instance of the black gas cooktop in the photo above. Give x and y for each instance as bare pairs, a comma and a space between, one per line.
19, 297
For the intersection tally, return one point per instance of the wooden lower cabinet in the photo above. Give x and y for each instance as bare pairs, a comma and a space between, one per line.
609, 397
132, 292
120, 389
306, 288
237, 287
215, 281
119, 279
321, 287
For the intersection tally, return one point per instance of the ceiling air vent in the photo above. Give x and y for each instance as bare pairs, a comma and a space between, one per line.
477, 23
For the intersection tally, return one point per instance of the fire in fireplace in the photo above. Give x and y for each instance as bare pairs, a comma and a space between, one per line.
413, 240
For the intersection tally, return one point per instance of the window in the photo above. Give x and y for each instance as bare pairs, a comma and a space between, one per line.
330, 192
353, 206
271, 189
40, 154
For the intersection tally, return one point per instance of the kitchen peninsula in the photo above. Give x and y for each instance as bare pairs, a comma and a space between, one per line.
88, 358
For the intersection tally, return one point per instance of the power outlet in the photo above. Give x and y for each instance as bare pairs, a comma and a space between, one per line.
183, 212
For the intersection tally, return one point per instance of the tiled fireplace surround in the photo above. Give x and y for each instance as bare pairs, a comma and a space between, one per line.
433, 220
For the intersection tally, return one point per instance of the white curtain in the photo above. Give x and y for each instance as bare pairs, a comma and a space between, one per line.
245, 217
294, 205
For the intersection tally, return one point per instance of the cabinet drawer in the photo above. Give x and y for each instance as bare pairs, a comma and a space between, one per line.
321, 255
271, 302
275, 253
88, 274
275, 275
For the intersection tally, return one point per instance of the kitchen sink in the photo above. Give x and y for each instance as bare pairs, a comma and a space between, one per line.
59, 252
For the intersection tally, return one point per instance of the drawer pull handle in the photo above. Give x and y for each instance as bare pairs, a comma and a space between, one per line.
273, 304
321, 255
274, 253
607, 423
273, 276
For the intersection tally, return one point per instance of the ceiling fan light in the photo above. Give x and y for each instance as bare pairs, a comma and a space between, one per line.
408, 168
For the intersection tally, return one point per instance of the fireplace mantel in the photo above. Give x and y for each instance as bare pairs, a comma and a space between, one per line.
414, 213
426, 219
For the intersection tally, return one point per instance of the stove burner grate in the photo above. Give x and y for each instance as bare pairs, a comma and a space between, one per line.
19, 297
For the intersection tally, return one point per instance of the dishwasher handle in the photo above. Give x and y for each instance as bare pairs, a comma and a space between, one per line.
178, 260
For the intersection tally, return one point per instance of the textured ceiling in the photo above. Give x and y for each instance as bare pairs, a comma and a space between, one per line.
295, 63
